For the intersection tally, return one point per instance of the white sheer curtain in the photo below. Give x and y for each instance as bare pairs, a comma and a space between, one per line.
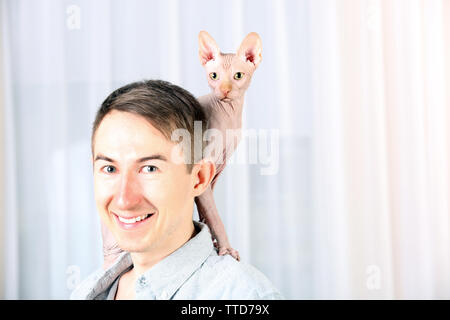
2, 166
359, 92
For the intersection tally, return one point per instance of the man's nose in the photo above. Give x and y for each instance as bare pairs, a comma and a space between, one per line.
129, 193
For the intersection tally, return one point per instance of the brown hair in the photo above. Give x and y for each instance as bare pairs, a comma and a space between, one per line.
166, 106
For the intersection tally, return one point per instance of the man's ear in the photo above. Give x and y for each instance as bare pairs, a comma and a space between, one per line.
208, 49
202, 174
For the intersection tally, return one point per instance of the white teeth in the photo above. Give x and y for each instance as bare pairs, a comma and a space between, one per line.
133, 220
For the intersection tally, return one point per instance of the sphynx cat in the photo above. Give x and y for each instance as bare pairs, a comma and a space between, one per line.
228, 76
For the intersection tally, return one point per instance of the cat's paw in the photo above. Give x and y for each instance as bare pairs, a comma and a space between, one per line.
227, 250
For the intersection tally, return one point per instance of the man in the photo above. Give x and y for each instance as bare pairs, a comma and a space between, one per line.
145, 198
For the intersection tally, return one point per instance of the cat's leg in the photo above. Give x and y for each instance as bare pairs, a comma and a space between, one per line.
208, 214
202, 217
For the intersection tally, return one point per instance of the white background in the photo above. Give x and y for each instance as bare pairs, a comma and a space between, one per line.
359, 92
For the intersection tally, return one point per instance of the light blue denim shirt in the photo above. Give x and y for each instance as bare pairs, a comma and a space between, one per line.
194, 271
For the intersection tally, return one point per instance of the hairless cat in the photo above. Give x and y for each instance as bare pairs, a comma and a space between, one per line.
228, 76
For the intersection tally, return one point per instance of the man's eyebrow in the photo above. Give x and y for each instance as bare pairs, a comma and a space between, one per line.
102, 157
152, 157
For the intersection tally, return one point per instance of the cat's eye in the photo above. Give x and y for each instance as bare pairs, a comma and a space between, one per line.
214, 75
238, 75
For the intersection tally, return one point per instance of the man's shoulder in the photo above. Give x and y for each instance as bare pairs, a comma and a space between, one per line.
87, 286
96, 285
239, 278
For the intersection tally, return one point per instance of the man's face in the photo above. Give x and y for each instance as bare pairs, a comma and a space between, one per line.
135, 179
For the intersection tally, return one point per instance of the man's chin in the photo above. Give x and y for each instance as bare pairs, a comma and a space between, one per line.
137, 245
133, 248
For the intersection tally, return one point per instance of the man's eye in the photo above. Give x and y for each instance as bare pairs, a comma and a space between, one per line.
109, 169
149, 169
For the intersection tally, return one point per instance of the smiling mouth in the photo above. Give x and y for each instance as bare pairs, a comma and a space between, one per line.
134, 220
129, 223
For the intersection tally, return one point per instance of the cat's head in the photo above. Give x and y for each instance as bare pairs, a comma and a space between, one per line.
229, 74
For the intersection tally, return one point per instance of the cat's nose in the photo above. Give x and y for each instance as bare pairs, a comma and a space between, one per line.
225, 87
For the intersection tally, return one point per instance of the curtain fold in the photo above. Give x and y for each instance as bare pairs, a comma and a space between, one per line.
2, 167
10, 213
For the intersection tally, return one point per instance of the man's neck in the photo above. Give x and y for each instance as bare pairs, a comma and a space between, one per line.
143, 261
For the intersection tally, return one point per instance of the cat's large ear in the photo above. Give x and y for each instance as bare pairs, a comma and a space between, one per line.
251, 48
208, 49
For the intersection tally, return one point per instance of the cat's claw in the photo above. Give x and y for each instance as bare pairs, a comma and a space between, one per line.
227, 250
224, 250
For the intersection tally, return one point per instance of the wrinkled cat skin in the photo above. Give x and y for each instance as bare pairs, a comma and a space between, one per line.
229, 76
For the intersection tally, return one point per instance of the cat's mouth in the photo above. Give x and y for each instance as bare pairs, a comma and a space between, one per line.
226, 99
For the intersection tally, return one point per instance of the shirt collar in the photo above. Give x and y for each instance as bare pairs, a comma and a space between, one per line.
163, 279
168, 275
